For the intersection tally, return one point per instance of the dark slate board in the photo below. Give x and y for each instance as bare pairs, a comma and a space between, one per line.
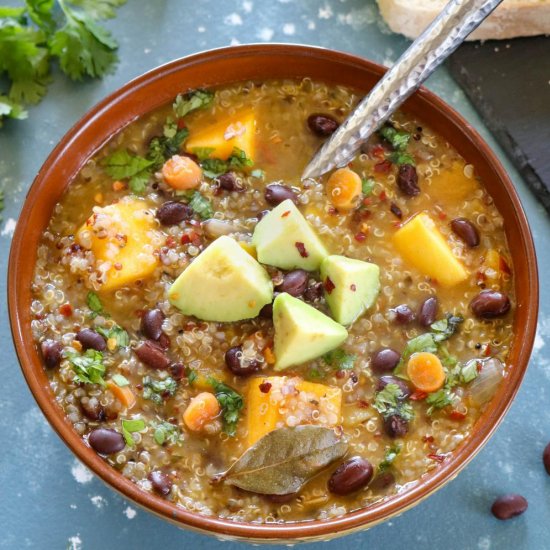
509, 84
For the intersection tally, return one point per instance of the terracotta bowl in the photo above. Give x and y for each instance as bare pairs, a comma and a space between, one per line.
224, 66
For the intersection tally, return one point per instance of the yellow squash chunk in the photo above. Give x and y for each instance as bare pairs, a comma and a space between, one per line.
423, 246
223, 136
123, 238
271, 409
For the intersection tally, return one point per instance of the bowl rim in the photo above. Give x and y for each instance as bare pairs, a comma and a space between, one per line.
28, 356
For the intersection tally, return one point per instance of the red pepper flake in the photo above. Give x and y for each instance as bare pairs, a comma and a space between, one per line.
479, 366
418, 395
442, 215
285, 214
457, 415
436, 457
301, 249
382, 167
329, 285
363, 404
170, 241
353, 288
377, 151
185, 239
181, 124
504, 267
66, 310
360, 237
428, 439
383, 196
487, 352
367, 201
396, 211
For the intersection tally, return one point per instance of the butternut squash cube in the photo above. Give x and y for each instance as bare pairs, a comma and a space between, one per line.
277, 401
123, 239
424, 247
224, 136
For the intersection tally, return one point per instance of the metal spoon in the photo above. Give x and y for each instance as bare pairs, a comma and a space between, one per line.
426, 53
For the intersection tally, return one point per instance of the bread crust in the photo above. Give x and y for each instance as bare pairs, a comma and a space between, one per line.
509, 20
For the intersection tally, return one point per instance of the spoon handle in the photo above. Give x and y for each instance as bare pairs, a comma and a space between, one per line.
418, 62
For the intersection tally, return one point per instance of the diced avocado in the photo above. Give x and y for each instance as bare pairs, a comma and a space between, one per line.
302, 332
351, 287
222, 137
284, 239
224, 283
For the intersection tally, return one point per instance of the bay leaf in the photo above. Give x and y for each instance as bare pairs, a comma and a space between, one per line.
284, 459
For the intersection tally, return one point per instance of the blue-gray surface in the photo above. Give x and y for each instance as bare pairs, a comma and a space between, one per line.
49, 501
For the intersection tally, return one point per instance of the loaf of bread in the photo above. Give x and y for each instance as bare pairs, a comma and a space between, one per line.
512, 18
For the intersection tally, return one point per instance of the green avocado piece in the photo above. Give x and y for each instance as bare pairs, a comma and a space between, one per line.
224, 283
302, 332
351, 287
284, 239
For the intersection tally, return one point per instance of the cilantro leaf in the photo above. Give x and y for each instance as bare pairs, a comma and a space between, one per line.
440, 399
231, 403
469, 371
389, 457
123, 165
367, 186
165, 432
397, 139
191, 101
201, 205
191, 375
158, 390
99, 9
40, 12
169, 144
389, 401
238, 160
445, 328
11, 109
129, 427
213, 167
339, 359
117, 333
400, 158
94, 303
203, 153
88, 367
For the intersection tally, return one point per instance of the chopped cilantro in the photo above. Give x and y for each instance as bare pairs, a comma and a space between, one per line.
203, 153
165, 432
157, 390
367, 186
118, 333
445, 328
122, 165
399, 158
129, 427
213, 167
389, 402
397, 139
191, 101
389, 457
94, 303
239, 160
88, 367
469, 371
440, 399
339, 359
169, 144
201, 205
231, 403
191, 375
120, 381
259, 174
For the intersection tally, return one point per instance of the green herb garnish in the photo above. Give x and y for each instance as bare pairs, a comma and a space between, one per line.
88, 367
129, 427
213, 167
169, 144
389, 402
397, 139
389, 457
94, 303
445, 328
191, 375
191, 101
231, 403
120, 381
339, 359
157, 390
259, 174
165, 432
32, 36
399, 158
367, 186
201, 205
122, 165
118, 333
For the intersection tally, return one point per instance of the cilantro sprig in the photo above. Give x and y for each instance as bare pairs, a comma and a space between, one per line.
158, 390
389, 458
213, 167
33, 35
390, 401
399, 141
231, 403
88, 367
131, 426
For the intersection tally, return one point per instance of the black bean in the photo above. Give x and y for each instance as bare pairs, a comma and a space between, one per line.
106, 441
151, 323
229, 182
173, 212
384, 360
396, 211
161, 482
407, 180
350, 476
51, 351
403, 314
382, 481
383, 381
267, 311
396, 426
314, 292
238, 364
92, 408
546, 458
152, 355
322, 125
428, 311
489, 304
276, 193
509, 506
90, 339
294, 282
466, 230
177, 371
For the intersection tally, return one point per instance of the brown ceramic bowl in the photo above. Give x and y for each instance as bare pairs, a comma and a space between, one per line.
221, 67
